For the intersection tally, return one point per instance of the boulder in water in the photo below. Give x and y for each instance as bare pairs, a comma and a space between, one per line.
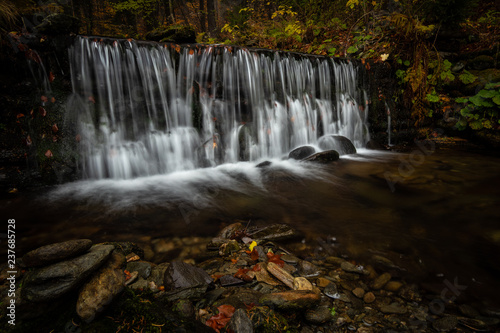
324, 157
301, 152
339, 143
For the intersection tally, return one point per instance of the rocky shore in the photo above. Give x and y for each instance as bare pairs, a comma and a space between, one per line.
246, 279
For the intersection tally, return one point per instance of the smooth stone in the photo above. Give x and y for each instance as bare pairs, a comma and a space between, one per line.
335, 260
229, 280
339, 143
308, 269
53, 281
331, 291
301, 152
324, 157
290, 259
301, 283
280, 274
445, 324
381, 281
102, 288
53, 253
240, 323
322, 282
393, 308
291, 300
231, 230
369, 297
275, 232
358, 292
393, 286
351, 268
142, 267
182, 275
319, 316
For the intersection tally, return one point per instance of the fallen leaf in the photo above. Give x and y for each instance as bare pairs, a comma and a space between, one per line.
242, 274
254, 255
252, 245
48, 154
42, 111
220, 320
44, 98
275, 258
55, 128
53, 99
78, 138
20, 115
51, 76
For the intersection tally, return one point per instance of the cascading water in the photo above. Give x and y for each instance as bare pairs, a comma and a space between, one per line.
147, 108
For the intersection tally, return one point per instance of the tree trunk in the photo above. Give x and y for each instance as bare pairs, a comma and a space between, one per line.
211, 17
203, 14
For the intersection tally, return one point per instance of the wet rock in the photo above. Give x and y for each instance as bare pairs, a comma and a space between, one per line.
182, 275
358, 292
50, 254
324, 157
229, 280
374, 145
59, 24
301, 283
240, 298
141, 267
322, 282
186, 293
158, 273
393, 286
445, 324
331, 291
230, 231
369, 297
339, 143
319, 316
301, 152
240, 322
52, 281
263, 164
351, 268
308, 269
184, 308
393, 308
291, 300
381, 281
228, 248
276, 232
335, 260
102, 288
290, 259
280, 274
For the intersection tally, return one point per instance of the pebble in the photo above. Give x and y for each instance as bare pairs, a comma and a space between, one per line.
308, 269
381, 281
351, 268
331, 291
445, 324
358, 292
322, 282
393, 308
301, 283
335, 260
393, 286
369, 297
52, 253
290, 259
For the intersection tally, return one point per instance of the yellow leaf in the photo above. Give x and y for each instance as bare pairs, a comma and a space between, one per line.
374, 3
252, 245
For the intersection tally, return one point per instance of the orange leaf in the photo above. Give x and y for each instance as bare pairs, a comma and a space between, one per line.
242, 274
191, 52
51, 76
20, 115
227, 310
256, 268
55, 128
44, 99
234, 261
42, 111
53, 99
48, 154
275, 258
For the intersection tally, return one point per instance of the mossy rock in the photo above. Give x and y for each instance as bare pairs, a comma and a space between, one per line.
180, 35
483, 78
59, 24
481, 62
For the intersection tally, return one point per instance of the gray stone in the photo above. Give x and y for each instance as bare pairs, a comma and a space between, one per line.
301, 152
101, 289
319, 316
339, 143
182, 275
331, 291
142, 267
52, 253
158, 273
53, 281
308, 269
445, 324
240, 323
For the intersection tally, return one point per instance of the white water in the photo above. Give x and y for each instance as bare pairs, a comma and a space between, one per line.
146, 109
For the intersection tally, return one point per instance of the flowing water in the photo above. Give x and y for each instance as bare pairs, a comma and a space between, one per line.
150, 169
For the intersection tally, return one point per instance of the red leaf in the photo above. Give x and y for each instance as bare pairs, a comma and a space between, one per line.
48, 154
222, 318
42, 111
55, 128
275, 258
20, 115
254, 255
44, 99
51, 76
242, 274
256, 268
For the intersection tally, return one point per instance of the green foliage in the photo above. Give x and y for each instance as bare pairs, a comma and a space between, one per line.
466, 77
481, 110
332, 311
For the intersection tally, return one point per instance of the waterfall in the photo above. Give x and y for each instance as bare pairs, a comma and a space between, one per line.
147, 108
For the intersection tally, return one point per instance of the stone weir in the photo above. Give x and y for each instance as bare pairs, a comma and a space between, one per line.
146, 108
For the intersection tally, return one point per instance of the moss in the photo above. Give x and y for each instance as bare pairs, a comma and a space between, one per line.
265, 320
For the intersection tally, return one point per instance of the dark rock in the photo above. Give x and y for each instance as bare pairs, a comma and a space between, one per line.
142, 267
381, 281
59, 24
228, 232
339, 143
369, 297
319, 316
275, 232
308, 269
393, 308
374, 145
291, 300
263, 164
324, 157
481, 62
229, 280
52, 281
56, 252
186, 293
331, 291
445, 324
180, 35
182, 275
102, 288
240, 322
301, 152
158, 273
184, 308
240, 298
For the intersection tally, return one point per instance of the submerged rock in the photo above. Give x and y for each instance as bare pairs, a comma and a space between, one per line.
324, 157
52, 253
102, 288
52, 281
339, 143
381, 281
301, 152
